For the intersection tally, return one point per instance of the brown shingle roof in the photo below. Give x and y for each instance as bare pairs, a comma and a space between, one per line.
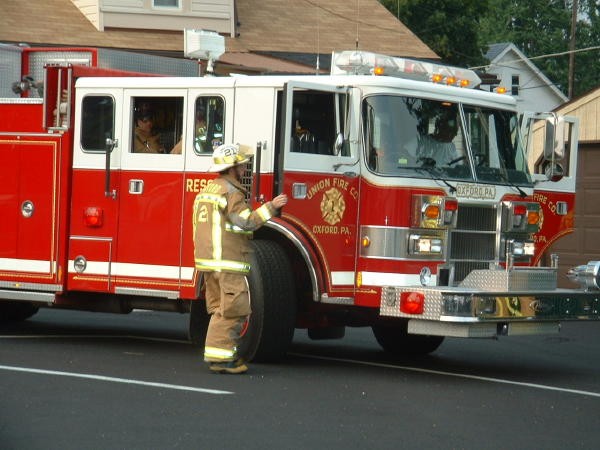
304, 26
262, 63
321, 26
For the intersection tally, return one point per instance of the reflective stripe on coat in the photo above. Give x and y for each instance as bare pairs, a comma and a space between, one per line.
222, 225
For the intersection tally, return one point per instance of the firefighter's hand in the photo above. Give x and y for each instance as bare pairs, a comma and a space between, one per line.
279, 201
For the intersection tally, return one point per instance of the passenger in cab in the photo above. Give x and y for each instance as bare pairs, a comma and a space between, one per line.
146, 140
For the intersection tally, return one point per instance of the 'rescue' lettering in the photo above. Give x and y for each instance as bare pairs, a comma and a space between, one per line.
196, 184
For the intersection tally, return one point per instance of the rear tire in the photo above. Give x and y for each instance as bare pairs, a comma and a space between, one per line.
396, 340
16, 311
270, 328
198, 325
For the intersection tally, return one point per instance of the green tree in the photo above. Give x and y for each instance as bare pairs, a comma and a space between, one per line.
461, 31
543, 27
536, 27
587, 63
448, 27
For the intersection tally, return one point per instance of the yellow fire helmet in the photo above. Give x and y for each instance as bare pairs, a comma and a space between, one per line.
229, 155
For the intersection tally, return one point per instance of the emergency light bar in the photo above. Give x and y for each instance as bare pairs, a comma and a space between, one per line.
366, 63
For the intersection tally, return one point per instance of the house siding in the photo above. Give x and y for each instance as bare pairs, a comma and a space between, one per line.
91, 10
140, 14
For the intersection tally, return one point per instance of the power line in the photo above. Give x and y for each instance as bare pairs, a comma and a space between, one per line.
549, 55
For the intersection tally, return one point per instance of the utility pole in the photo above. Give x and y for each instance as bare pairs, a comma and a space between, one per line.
572, 49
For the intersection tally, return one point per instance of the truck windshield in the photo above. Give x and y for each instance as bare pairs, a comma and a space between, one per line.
415, 137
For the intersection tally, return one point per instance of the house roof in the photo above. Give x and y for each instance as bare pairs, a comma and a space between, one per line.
251, 62
321, 26
497, 51
268, 26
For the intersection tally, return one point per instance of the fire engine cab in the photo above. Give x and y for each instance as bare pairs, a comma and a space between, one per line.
419, 205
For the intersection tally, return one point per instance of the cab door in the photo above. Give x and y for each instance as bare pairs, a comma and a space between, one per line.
95, 179
320, 173
551, 143
150, 194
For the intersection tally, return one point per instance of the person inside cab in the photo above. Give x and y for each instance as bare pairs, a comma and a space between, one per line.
145, 139
437, 149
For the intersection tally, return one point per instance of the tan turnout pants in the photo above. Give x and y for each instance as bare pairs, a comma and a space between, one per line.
228, 303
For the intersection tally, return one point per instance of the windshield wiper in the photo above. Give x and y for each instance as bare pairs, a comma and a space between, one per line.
434, 173
504, 177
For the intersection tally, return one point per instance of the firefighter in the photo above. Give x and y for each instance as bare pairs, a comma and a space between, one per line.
146, 140
223, 222
438, 148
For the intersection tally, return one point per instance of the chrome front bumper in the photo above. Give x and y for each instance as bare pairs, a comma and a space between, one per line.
494, 302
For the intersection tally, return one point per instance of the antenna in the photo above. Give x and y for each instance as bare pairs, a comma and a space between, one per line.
357, 20
318, 37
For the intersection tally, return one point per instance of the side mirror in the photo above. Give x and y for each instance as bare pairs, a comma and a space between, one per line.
554, 139
554, 171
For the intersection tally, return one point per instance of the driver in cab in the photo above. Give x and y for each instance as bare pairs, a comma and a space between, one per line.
437, 149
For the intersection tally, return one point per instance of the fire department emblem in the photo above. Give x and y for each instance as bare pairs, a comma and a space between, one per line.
332, 206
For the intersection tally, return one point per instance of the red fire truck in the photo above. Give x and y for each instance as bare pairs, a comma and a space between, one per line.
420, 205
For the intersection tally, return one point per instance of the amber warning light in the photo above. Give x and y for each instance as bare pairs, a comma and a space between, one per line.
367, 63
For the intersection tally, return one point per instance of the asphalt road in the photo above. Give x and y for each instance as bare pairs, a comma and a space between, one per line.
75, 380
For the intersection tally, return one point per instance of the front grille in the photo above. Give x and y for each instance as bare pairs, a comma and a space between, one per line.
473, 243
476, 218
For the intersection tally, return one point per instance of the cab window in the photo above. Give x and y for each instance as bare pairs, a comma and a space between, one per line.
97, 122
157, 125
209, 116
317, 119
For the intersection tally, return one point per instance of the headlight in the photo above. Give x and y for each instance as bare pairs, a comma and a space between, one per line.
425, 245
519, 248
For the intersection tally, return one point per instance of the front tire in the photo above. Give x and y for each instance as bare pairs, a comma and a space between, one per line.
270, 328
396, 340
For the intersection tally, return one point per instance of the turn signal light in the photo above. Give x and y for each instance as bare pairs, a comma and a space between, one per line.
412, 302
533, 217
431, 211
378, 70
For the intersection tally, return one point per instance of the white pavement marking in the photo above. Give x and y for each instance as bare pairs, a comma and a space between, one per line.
92, 336
452, 374
114, 380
